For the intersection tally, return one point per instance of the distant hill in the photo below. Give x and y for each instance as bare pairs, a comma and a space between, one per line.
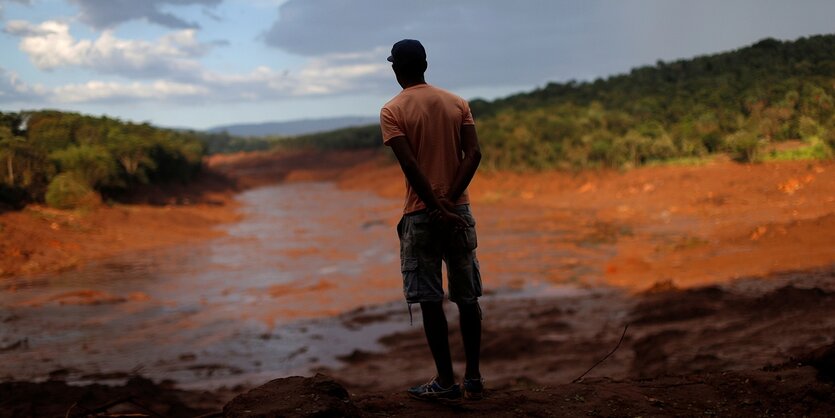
737, 102
295, 127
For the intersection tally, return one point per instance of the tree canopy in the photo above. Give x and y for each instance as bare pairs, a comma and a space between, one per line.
736, 102
48, 155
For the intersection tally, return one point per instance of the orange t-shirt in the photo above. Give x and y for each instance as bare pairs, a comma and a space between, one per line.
431, 119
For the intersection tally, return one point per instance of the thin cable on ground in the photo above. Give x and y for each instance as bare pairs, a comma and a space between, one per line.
604, 358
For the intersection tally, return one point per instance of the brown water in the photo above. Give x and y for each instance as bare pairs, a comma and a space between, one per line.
231, 309
262, 302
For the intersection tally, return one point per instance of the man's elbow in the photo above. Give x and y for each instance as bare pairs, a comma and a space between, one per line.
474, 155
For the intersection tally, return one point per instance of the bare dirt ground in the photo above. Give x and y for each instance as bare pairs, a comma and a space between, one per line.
39, 239
752, 347
687, 225
724, 273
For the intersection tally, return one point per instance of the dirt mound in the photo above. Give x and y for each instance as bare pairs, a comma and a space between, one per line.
653, 352
790, 298
318, 396
744, 325
137, 396
822, 359
792, 391
678, 305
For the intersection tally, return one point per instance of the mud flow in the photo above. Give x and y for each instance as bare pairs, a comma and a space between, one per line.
226, 308
259, 302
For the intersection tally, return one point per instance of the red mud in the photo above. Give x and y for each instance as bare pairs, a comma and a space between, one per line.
724, 273
40, 239
729, 270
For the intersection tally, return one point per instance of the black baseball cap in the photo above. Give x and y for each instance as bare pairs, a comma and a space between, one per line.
407, 51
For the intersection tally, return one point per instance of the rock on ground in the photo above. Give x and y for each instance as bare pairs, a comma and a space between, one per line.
319, 396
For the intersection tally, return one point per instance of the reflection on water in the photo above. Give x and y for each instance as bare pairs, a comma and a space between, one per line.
226, 310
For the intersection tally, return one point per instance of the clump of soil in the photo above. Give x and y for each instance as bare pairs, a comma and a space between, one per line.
137, 396
318, 396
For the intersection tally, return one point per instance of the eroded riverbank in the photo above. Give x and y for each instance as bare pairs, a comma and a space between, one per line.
308, 280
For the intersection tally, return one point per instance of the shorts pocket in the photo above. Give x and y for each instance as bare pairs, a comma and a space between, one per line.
476, 277
470, 238
411, 280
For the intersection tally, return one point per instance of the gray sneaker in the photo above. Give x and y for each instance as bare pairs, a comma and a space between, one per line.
473, 389
432, 391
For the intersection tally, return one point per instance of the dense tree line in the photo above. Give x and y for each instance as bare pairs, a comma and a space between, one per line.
67, 159
736, 102
341, 139
225, 143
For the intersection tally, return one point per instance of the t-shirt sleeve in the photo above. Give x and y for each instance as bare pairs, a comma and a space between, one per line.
389, 126
468, 115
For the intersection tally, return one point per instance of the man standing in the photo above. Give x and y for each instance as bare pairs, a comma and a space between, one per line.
433, 136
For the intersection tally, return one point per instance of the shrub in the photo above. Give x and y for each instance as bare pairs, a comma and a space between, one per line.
745, 146
91, 163
809, 128
68, 191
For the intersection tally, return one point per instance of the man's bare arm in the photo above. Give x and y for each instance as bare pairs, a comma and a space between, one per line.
418, 180
469, 165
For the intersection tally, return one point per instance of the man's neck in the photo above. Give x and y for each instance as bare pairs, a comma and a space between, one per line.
412, 83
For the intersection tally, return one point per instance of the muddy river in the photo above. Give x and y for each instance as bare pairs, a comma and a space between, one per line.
268, 299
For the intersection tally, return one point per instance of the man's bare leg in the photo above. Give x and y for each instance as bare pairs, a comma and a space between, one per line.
436, 329
470, 321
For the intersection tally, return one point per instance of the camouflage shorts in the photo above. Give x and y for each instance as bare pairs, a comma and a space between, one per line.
424, 244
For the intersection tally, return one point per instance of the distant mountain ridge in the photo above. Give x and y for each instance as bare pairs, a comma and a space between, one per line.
295, 127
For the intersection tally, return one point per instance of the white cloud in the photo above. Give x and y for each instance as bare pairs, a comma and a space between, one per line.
328, 75
14, 89
335, 73
332, 74
97, 91
51, 46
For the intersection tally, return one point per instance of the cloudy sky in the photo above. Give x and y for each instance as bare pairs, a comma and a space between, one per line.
201, 63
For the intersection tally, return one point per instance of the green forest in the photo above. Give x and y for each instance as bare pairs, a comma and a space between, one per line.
739, 103
69, 160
